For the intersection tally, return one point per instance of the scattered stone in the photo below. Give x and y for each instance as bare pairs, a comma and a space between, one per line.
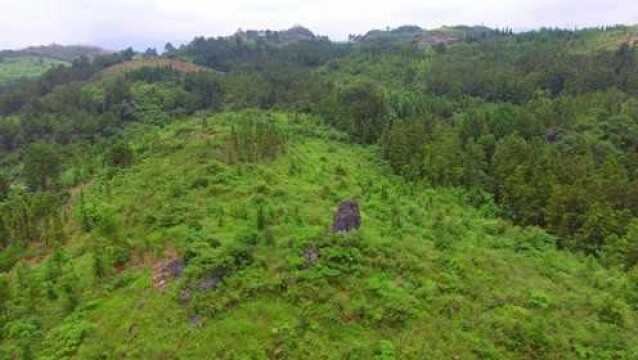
185, 296
196, 320
165, 271
551, 136
347, 217
209, 283
133, 330
311, 256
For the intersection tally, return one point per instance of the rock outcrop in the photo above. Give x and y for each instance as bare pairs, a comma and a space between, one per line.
552, 135
347, 217
165, 271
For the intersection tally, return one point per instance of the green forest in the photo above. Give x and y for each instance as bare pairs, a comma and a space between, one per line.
187, 203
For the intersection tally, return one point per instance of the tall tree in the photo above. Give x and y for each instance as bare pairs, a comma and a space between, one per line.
361, 112
42, 165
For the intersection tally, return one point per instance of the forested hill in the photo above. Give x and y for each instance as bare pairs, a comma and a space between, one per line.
461, 192
32, 62
58, 52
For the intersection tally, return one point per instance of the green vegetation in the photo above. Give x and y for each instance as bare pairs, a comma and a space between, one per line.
395, 285
14, 68
67, 53
164, 213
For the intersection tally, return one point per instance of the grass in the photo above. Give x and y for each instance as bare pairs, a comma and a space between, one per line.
594, 41
136, 64
14, 68
426, 276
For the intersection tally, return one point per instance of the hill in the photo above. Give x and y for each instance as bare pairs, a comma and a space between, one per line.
260, 49
591, 40
578, 41
34, 61
422, 277
366, 200
66, 53
151, 63
282, 37
16, 67
416, 36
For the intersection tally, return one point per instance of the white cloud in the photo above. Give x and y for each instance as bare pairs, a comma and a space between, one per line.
117, 23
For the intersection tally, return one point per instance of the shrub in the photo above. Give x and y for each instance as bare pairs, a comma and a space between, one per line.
63, 341
389, 302
94, 214
119, 155
385, 351
254, 137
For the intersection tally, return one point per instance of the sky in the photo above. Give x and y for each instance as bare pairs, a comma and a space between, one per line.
116, 24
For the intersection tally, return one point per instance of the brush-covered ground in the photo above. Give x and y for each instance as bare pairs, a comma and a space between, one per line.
427, 276
14, 68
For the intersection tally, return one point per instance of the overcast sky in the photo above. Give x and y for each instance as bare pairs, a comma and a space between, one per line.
116, 24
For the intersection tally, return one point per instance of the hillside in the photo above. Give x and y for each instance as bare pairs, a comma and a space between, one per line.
416, 36
282, 37
66, 53
260, 49
151, 63
422, 277
14, 68
460, 193
34, 61
591, 40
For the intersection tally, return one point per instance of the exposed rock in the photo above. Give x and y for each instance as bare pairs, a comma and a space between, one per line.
209, 283
165, 271
185, 296
347, 217
311, 256
196, 320
205, 284
133, 330
552, 136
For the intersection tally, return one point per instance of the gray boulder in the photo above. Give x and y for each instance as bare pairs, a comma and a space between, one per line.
347, 217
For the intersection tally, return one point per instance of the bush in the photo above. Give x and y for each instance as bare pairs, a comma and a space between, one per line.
9, 256
24, 332
385, 351
94, 214
254, 137
64, 340
361, 111
388, 302
119, 155
42, 165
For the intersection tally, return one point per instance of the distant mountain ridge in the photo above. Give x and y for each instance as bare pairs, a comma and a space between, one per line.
422, 37
59, 52
296, 33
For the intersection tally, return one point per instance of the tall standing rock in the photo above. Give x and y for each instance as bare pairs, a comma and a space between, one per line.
347, 217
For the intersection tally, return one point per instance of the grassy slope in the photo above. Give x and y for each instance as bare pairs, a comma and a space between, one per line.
593, 41
13, 68
136, 64
426, 276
